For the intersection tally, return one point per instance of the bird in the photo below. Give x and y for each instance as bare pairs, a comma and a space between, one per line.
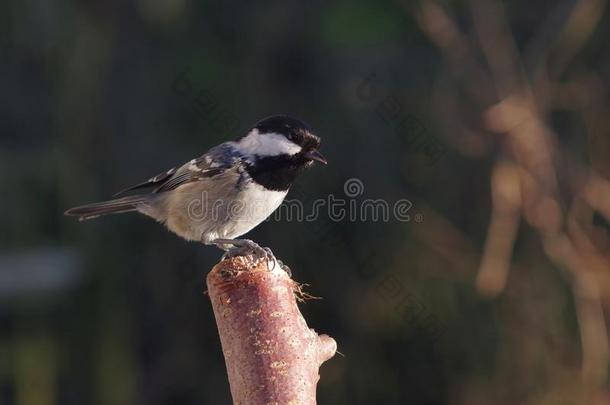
226, 192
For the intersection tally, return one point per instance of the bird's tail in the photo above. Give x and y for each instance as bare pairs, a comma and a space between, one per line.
118, 206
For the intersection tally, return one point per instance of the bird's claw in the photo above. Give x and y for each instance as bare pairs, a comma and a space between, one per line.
285, 268
245, 247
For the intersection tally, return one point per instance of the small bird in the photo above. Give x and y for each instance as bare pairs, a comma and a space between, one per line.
225, 192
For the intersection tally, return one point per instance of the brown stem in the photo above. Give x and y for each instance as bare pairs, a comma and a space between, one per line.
272, 356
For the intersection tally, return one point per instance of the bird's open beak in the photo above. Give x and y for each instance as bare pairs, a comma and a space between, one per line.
315, 155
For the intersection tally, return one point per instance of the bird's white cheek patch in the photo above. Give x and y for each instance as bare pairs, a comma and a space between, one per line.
270, 144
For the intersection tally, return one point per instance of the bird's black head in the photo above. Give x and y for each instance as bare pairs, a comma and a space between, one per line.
279, 148
294, 130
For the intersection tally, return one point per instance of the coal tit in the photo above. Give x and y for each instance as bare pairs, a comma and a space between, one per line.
225, 192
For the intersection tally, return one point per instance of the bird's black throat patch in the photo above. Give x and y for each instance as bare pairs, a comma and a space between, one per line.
277, 172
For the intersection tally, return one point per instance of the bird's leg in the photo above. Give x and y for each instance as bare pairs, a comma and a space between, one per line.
243, 247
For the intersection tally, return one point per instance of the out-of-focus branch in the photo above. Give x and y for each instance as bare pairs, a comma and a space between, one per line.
557, 206
581, 23
506, 215
272, 356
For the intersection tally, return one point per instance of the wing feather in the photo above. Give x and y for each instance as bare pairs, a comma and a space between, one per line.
187, 176
153, 181
206, 166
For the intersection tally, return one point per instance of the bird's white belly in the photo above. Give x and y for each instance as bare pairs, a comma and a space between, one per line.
251, 206
198, 212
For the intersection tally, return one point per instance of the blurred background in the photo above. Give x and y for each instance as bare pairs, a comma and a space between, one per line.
492, 119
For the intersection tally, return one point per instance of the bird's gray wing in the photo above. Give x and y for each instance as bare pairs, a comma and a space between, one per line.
210, 164
153, 181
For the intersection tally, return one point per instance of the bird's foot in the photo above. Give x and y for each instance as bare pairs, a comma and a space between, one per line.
245, 247
285, 268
